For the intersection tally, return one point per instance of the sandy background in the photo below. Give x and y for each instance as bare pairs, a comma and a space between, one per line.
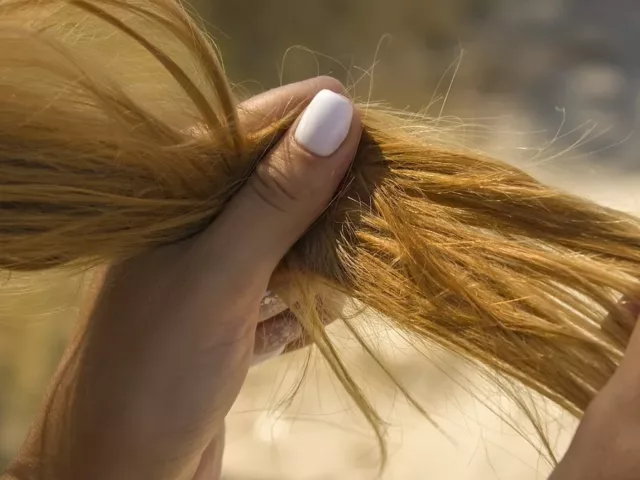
551, 85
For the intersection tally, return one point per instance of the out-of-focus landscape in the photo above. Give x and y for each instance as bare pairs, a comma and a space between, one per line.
551, 85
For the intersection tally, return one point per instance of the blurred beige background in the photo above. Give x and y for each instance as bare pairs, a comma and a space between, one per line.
551, 85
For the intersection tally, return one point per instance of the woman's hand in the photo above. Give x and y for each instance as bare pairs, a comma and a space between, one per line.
607, 443
144, 391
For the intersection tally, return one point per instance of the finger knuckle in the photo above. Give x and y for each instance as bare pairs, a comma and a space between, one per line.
275, 186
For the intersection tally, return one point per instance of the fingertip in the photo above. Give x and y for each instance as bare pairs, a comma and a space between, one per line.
325, 82
325, 124
272, 105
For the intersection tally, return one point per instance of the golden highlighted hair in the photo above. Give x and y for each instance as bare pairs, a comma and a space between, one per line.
98, 162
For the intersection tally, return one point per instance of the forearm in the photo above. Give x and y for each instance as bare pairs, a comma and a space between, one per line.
14, 472
9, 475
32, 466
106, 413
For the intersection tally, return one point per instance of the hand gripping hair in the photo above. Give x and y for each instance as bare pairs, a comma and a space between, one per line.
119, 133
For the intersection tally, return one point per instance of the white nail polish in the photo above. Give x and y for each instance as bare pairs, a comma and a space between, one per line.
325, 123
257, 359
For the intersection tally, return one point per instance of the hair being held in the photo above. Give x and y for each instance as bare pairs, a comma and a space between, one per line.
109, 152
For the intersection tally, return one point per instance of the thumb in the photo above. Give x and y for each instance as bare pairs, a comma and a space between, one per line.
293, 184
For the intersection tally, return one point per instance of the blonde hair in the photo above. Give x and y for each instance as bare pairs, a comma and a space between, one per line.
98, 164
